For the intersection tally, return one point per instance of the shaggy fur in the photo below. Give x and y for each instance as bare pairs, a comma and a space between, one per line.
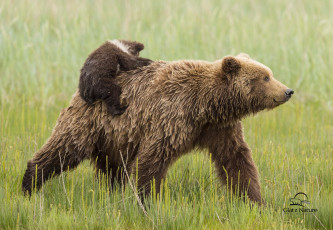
101, 67
173, 108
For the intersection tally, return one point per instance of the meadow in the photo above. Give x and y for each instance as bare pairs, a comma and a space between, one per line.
43, 45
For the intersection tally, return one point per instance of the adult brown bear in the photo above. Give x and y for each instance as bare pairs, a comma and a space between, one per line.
173, 107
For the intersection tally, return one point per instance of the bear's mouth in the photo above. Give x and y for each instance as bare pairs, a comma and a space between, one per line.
280, 102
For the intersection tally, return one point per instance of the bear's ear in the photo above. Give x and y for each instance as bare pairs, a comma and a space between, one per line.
138, 46
230, 65
244, 55
133, 47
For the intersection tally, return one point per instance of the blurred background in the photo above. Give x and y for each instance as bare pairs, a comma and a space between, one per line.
43, 45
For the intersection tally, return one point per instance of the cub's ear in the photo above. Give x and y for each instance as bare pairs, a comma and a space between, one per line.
138, 46
244, 55
133, 47
230, 65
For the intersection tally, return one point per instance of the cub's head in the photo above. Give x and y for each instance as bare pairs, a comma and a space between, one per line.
254, 83
130, 47
133, 47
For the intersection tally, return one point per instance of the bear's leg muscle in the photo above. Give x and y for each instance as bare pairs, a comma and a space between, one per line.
129, 62
152, 168
240, 173
110, 92
47, 162
110, 170
233, 160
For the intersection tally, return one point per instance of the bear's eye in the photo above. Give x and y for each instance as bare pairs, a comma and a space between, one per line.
266, 78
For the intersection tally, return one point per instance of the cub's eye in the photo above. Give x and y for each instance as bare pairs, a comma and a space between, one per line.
266, 78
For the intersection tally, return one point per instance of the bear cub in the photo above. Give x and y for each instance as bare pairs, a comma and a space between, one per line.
97, 77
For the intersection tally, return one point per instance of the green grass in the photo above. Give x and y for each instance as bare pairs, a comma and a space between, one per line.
42, 47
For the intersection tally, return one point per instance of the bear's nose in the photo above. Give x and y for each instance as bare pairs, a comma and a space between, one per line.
289, 92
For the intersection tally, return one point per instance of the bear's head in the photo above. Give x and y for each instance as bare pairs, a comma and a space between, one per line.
134, 48
130, 47
253, 83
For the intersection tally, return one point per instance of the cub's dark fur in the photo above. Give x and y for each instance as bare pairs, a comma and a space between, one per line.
101, 67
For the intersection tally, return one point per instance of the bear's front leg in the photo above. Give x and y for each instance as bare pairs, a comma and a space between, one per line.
129, 62
233, 160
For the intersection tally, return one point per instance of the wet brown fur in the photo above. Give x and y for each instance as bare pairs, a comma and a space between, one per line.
101, 67
174, 107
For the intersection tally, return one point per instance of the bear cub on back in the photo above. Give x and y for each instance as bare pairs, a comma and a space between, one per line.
102, 66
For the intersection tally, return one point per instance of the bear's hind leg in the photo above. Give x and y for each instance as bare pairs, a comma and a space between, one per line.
107, 90
112, 172
47, 162
151, 166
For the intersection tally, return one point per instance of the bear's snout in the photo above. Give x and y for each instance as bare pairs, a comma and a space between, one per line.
288, 93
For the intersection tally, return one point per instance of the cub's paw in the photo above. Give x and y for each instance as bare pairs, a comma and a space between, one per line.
143, 62
116, 110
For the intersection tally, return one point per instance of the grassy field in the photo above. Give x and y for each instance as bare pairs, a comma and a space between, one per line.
42, 47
